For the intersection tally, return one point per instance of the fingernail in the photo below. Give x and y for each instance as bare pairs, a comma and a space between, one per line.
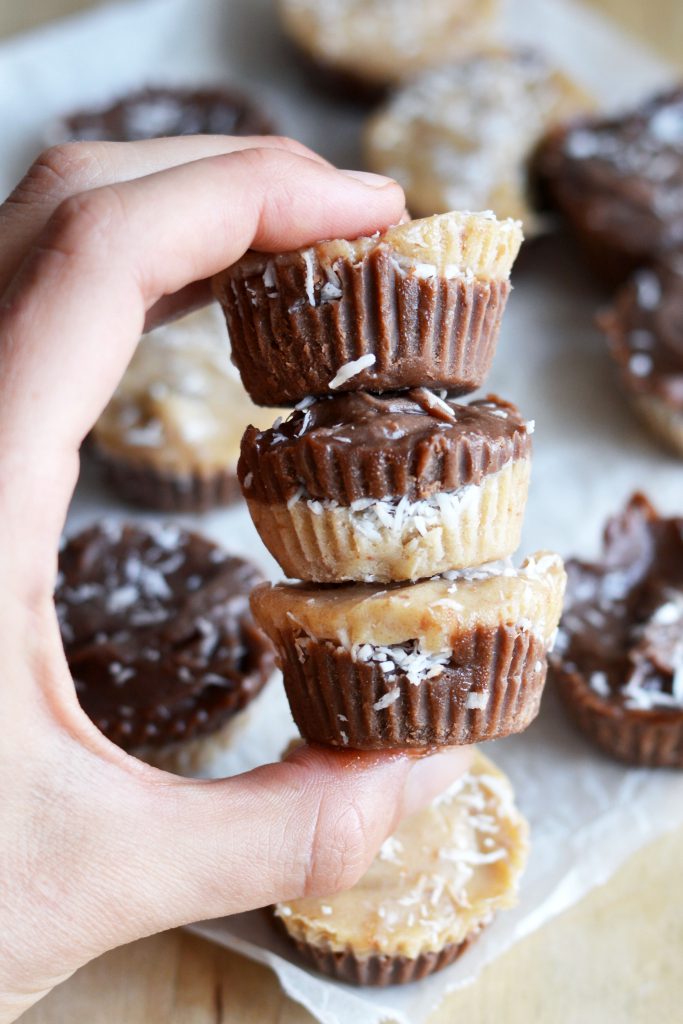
431, 775
369, 179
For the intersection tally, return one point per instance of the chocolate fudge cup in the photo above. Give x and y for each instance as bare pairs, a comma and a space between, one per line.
161, 111
617, 183
453, 660
644, 329
618, 664
360, 48
160, 640
420, 304
169, 438
429, 892
392, 487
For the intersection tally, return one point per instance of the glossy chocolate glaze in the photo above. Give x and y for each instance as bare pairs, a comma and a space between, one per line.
357, 445
619, 180
622, 628
157, 632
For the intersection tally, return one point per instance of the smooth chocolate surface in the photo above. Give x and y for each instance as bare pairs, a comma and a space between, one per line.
619, 180
357, 445
157, 112
158, 633
644, 328
622, 628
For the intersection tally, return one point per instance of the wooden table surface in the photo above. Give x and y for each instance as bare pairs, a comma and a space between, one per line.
613, 959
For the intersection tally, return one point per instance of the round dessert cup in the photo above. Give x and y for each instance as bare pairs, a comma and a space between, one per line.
418, 305
169, 438
429, 892
341, 39
160, 639
386, 488
453, 660
649, 738
461, 134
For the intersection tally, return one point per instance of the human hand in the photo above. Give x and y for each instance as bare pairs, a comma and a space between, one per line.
97, 848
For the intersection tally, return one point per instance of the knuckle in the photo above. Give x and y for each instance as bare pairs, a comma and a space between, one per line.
291, 145
58, 171
84, 221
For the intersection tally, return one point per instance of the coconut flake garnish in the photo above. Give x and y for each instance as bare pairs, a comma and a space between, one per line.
292, 500
390, 850
350, 369
269, 278
310, 279
477, 701
389, 698
599, 683
332, 289
434, 404
407, 519
409, 659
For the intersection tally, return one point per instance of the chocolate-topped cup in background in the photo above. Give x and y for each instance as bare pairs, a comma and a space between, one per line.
618, 662
160, 639
644, 329
161, 111
617, 182
388, 487
418, 305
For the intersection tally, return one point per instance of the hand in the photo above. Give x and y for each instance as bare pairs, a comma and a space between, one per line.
97, 848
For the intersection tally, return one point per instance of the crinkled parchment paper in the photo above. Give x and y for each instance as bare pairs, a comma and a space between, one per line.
587, 814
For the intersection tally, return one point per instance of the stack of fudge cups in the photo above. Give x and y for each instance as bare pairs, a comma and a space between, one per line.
396, 506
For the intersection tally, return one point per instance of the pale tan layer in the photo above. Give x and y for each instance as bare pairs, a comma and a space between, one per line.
666, 423
181, 406
451, 244
385, 40
433, 612
330, 545
461, 135
440, 877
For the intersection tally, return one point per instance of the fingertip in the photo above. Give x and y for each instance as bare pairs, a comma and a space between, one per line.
429, 776
369, 178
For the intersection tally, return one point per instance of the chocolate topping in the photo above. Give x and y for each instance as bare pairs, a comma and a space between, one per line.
357, 445
157, 112
621, 178
157, 632
645, 332
622, 629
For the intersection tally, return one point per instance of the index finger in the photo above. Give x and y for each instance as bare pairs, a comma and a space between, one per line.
74, 167
69, 324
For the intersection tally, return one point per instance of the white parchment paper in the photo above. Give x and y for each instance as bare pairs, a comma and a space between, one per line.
587, 814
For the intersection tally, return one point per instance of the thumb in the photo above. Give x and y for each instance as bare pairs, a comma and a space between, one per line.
151, 851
